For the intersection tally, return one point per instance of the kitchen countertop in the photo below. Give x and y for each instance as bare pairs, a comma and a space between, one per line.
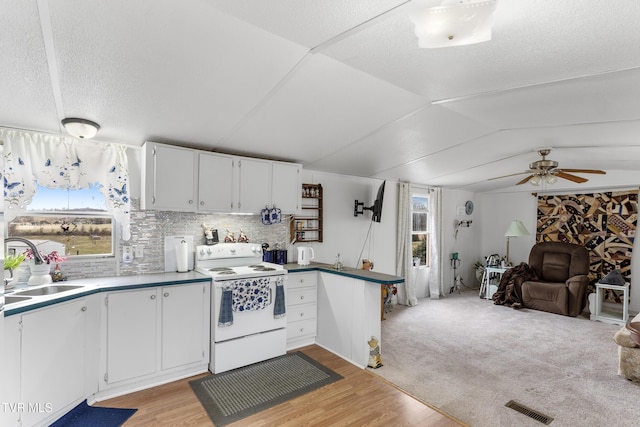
366, 275
96, 285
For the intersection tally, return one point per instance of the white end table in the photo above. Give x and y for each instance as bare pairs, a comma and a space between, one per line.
605, 316
487, 286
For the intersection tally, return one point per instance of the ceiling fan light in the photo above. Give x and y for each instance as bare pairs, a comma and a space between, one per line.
80, 128
551, 179
535, 180
456, 24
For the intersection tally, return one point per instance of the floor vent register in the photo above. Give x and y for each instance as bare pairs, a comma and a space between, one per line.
533, 414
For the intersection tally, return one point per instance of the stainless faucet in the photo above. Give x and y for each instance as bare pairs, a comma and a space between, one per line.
37, 258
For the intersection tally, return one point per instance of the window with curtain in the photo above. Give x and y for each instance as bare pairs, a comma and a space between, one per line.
44, 172
419, 228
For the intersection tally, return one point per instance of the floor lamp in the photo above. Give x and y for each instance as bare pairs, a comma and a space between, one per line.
516, 229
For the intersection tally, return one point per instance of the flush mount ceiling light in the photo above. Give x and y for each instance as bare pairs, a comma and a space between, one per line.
454, 23
81, 128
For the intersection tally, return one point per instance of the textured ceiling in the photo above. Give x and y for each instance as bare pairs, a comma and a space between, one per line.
339, 86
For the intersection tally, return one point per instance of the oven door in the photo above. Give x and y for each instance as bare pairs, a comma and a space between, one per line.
248, 318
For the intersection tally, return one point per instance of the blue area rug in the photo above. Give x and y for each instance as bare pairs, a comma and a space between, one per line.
84, 415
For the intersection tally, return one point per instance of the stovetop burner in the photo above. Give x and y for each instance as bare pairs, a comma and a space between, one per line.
220, 269
263, 268
224, 272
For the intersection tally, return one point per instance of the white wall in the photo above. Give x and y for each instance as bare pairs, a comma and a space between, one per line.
467, 241
345, 234
497, 212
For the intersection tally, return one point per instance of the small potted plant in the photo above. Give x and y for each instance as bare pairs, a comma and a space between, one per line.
40, 272
11, 262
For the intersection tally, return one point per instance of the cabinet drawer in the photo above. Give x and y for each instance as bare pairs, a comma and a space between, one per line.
299, 280
301, 312
298, 329
301, 296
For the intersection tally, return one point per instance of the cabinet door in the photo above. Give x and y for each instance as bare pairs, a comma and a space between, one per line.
285, 187
185, 311
215, 183
255, 185
53, 358
174, 178
131, 334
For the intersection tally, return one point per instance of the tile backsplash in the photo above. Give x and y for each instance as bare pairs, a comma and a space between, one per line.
148, 229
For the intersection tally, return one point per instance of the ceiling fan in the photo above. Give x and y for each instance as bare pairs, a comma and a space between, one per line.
548, 171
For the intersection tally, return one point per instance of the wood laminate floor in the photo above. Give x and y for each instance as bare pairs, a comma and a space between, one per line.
360, 399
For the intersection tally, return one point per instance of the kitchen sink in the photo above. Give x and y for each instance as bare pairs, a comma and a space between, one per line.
341, 269
47, 290
9, 299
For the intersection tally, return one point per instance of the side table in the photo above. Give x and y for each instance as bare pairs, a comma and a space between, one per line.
490, 281
605, 316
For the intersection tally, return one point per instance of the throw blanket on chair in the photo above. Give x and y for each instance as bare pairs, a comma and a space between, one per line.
509, 291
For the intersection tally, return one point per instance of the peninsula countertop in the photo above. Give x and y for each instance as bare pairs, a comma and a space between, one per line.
366, 275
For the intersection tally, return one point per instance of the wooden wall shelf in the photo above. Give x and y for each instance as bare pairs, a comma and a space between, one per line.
307, 227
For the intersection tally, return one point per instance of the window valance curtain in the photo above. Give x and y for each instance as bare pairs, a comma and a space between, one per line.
63, 162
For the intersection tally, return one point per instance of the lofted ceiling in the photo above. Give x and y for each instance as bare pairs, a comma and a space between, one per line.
339, 86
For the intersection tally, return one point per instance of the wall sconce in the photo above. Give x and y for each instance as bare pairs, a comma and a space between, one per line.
454, 23
81, 128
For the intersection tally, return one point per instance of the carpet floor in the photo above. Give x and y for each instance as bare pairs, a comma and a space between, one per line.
469, 357
233, 395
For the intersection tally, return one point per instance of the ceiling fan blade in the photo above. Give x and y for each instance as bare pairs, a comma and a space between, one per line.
583, 171
527, 179
507, 176
570, 177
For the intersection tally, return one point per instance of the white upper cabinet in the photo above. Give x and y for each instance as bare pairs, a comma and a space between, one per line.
215, 182
286, 186
255, 185
169, 178
182, 179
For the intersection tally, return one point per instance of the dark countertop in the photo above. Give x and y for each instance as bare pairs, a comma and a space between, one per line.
99, 284
366, 275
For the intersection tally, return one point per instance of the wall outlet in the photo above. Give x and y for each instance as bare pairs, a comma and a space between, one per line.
127, 254
138, 251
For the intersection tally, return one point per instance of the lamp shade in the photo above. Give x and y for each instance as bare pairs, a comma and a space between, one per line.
516, 229
81, 128
456, 24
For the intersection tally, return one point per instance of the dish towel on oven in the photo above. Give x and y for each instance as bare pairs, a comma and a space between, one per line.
226, 313
251, 294
279, 307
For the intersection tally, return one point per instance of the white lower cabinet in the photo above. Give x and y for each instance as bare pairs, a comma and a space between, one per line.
154, 335
301, 309
52, 360
132, 331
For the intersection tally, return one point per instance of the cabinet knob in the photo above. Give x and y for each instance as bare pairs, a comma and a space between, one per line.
201, 203
301, 297
153, 297
190, 202
166, 294
301, 329
301, 314
84, 308
301, 280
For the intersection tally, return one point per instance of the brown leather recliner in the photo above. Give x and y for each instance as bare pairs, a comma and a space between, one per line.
562, 270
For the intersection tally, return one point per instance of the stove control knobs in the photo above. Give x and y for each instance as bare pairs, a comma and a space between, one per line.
233, 251
201, 252
209, 251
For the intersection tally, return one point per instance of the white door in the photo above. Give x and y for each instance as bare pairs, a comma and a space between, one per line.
255, 185
174, 178
183, 324
53, 358
285, 187
131, 334
215, 183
